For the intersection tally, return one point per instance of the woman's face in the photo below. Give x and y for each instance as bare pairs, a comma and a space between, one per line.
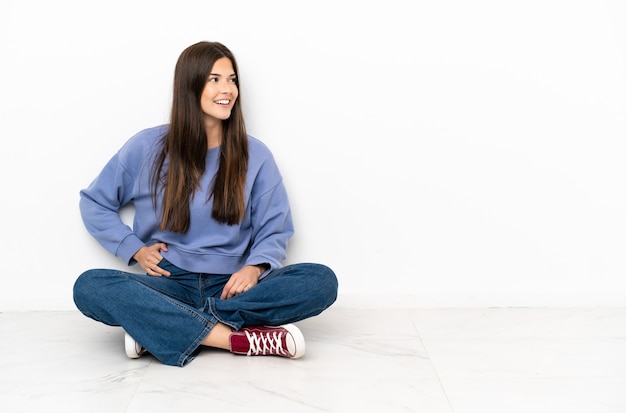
220, 92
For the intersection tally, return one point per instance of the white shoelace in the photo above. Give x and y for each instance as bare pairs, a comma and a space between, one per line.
266, 343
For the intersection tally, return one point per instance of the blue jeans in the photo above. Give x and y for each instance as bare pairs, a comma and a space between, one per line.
171, 316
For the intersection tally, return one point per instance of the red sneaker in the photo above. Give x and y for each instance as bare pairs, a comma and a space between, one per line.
284, 341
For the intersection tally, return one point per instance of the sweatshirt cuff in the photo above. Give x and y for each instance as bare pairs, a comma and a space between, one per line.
128, 247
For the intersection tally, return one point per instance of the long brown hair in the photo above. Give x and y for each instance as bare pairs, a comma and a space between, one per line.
185, 146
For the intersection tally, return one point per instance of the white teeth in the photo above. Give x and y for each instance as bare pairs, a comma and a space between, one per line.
222, 102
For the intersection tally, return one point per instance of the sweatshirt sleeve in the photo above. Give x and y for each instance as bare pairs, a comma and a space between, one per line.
271, 218
100, 204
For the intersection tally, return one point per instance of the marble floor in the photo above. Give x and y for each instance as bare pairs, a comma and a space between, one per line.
384, 360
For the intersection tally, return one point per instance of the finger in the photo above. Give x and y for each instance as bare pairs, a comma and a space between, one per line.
225, 294
229, 289
161, 271
232, 291
242, 289
157, 271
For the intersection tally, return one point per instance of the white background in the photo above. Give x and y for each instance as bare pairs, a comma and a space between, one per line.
437, 153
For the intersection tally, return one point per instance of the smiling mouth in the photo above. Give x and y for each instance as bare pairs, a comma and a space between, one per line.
222, 102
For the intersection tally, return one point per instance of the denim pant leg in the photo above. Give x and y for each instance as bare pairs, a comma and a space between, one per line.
159, 312
285, 295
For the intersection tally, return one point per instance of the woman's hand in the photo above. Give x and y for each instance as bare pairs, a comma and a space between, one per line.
242, 280
149, 258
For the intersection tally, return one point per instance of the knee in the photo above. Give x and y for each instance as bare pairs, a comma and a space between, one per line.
330, 278
82, 286
326, 281
86, 280
90, 285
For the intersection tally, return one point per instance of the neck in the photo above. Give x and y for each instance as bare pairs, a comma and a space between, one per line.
213, 135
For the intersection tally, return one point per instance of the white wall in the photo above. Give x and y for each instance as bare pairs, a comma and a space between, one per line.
437, 153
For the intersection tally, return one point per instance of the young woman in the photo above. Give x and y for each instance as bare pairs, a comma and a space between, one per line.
211, 226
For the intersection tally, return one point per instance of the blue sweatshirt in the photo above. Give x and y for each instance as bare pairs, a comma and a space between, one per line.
208, 246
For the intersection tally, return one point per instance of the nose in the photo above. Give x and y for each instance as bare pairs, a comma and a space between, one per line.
227, 87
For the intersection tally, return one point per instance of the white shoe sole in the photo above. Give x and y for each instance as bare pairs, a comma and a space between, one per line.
132, 348
298, 347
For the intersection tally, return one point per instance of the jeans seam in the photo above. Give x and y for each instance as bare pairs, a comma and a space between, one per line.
214, 313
